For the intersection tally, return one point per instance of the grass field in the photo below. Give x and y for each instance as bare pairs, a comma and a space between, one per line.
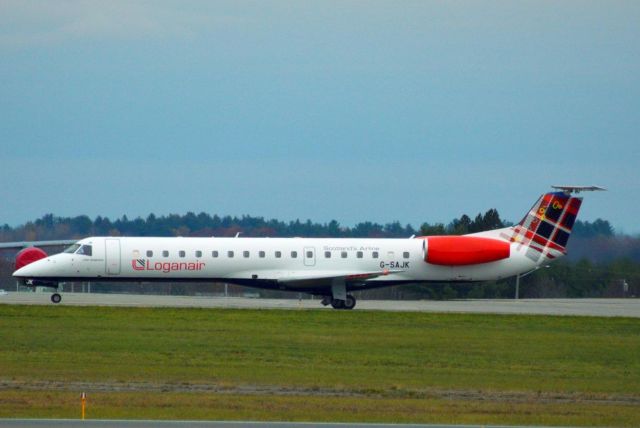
319, 366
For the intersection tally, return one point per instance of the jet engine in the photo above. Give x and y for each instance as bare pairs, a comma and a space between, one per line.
465, 250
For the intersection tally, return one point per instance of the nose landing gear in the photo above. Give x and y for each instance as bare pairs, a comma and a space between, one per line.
55, 297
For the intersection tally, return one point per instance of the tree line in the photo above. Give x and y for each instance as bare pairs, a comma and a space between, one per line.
600, 263
50, 226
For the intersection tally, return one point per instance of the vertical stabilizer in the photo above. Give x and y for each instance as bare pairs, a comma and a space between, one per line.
546, 228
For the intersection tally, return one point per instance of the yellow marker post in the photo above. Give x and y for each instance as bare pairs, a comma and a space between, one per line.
83, 399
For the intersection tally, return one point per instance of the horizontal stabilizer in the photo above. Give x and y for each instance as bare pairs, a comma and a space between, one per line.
577, 189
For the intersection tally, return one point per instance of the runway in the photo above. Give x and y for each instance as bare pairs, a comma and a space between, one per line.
38, 423
580, 307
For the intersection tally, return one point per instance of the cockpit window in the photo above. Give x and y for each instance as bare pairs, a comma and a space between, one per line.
72, 249
85, 250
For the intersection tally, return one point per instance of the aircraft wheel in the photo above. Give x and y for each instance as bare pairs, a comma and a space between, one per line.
350, 303
56, 298
337, 304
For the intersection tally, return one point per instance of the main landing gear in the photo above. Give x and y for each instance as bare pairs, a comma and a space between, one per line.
348, 303
339, 299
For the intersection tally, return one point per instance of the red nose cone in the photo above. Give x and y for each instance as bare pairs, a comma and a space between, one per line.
465, 250
29, 255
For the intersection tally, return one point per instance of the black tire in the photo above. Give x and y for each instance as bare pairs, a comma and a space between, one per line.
337, 304
350, 303
56, 298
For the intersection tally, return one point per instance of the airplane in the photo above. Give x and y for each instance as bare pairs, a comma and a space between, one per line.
333, 268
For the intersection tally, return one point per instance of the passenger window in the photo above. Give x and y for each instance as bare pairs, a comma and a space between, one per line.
359, 254
214, 254
294, 254
405, 254
374, 255
309, 254
230, 254
327, 254
181, 253
343, 254
261, 254
165, 253
278, 254
198, 253
136, 253
245, 254
149, 253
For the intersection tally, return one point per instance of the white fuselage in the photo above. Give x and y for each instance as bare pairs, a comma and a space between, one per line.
288, 263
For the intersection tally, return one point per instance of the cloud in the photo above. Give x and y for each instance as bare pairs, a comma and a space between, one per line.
25, 23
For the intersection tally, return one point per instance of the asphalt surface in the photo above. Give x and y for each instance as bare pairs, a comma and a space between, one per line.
582, 307
38, 423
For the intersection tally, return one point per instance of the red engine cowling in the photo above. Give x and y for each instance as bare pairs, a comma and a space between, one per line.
29, 255
465, 250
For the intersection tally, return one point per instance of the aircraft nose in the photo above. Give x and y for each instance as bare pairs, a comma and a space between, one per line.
32, 270
23, 272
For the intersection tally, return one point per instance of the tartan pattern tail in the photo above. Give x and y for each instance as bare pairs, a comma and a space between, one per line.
546, 228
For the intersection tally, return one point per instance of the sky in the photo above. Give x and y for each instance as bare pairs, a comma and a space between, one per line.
415, 111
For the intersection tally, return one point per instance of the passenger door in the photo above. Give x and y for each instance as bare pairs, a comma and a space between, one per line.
112, 256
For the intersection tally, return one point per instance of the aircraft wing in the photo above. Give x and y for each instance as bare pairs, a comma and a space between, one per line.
25, 244
311, 279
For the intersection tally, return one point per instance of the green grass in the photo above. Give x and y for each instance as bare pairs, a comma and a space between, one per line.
318, 409
401, 360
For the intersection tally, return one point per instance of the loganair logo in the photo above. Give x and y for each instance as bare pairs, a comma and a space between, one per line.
166, 267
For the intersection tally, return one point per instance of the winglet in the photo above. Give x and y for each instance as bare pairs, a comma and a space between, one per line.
577, 189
